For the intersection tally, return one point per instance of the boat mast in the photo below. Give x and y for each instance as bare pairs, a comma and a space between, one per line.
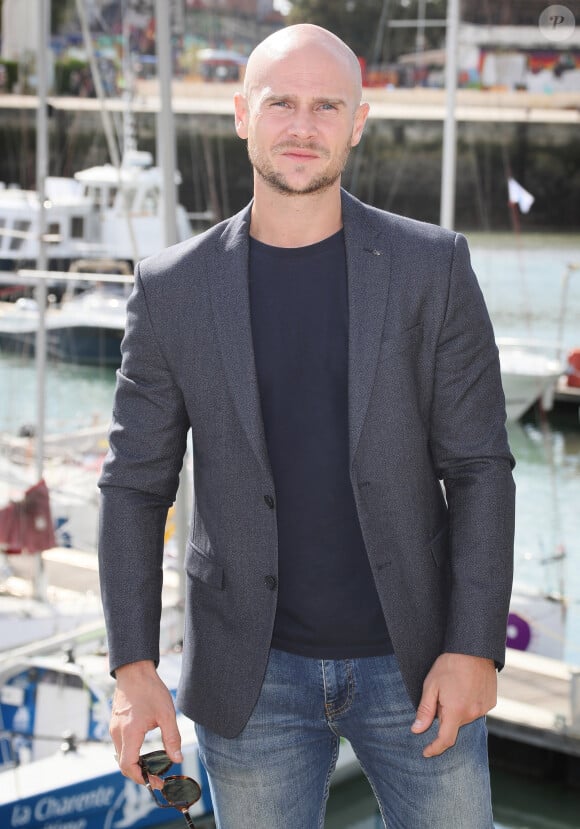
107, 122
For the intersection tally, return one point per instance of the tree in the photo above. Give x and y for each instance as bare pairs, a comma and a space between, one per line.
364, 24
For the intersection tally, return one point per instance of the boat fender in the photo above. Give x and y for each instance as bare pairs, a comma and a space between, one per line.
573, 369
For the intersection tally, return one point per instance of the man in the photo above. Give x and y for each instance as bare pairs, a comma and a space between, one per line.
336, 366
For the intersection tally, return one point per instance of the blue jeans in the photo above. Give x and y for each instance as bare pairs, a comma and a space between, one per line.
276, 773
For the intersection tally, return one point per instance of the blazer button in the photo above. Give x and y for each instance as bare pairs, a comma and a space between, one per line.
269, 501
271, 582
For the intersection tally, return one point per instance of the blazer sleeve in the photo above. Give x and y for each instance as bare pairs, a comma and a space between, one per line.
470, 450
138, 484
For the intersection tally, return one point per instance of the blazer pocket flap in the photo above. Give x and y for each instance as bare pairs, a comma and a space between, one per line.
201, 567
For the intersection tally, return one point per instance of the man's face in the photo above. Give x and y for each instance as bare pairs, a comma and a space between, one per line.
301, 118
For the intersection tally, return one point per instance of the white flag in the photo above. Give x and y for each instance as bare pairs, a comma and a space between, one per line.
518, 195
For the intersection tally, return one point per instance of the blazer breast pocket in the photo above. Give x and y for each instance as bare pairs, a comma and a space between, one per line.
407, 340
200, 566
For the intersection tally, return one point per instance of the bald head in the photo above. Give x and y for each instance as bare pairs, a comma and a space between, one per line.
297, 42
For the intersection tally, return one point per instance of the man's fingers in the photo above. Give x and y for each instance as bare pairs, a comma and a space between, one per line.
446, 737
426, 713
127, 755
129, 767
171, 737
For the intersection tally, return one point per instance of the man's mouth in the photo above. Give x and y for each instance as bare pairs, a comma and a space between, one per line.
299, 152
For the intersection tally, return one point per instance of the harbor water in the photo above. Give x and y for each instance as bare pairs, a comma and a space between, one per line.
522, 280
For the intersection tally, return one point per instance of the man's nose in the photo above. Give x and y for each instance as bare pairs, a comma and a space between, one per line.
302, 124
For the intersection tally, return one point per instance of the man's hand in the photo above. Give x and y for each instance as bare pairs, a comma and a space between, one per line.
458, 689
141, 702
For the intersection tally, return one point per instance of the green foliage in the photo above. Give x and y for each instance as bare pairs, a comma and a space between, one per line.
66, 74
62, 11
10, 74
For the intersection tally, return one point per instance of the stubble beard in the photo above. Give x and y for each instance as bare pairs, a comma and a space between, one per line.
279, 182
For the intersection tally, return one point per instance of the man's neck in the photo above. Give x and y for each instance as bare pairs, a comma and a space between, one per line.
295, 221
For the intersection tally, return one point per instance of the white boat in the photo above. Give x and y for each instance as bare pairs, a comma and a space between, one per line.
56, 760
104, 211
529, 374
85, 328
33, 607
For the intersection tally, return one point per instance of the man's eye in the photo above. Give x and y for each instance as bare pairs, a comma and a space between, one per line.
327, 106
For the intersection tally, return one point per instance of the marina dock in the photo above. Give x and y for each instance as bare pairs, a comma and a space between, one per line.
418, 104
535, 727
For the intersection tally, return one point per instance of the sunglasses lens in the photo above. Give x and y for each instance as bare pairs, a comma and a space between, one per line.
156, 762
181, 791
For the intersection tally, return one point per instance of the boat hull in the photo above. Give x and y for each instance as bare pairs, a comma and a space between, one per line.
85, 345
99, 798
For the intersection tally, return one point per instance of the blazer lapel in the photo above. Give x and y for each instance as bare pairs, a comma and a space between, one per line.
368, 256
231, 306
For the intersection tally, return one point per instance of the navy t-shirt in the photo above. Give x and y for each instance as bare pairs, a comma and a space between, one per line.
328, 605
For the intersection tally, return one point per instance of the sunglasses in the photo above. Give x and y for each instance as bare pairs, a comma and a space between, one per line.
178, 792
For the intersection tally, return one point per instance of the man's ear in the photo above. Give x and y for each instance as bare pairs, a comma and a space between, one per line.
360, 118
241, 114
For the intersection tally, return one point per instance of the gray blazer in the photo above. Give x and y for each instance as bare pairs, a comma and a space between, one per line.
430, 463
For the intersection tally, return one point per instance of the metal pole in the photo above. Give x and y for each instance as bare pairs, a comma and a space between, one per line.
448, 166
166, 130
166, 150
43, 12
420, 35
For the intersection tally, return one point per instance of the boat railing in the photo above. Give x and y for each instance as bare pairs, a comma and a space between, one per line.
531, 344
79, 637
34, 277
90, 439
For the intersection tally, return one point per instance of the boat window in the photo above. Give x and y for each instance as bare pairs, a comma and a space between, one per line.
111, 195
21, 226
77, 227
98, 196
151, 200
54, 229
64, 680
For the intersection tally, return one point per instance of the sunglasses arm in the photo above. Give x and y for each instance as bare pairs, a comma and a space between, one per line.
188, 819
